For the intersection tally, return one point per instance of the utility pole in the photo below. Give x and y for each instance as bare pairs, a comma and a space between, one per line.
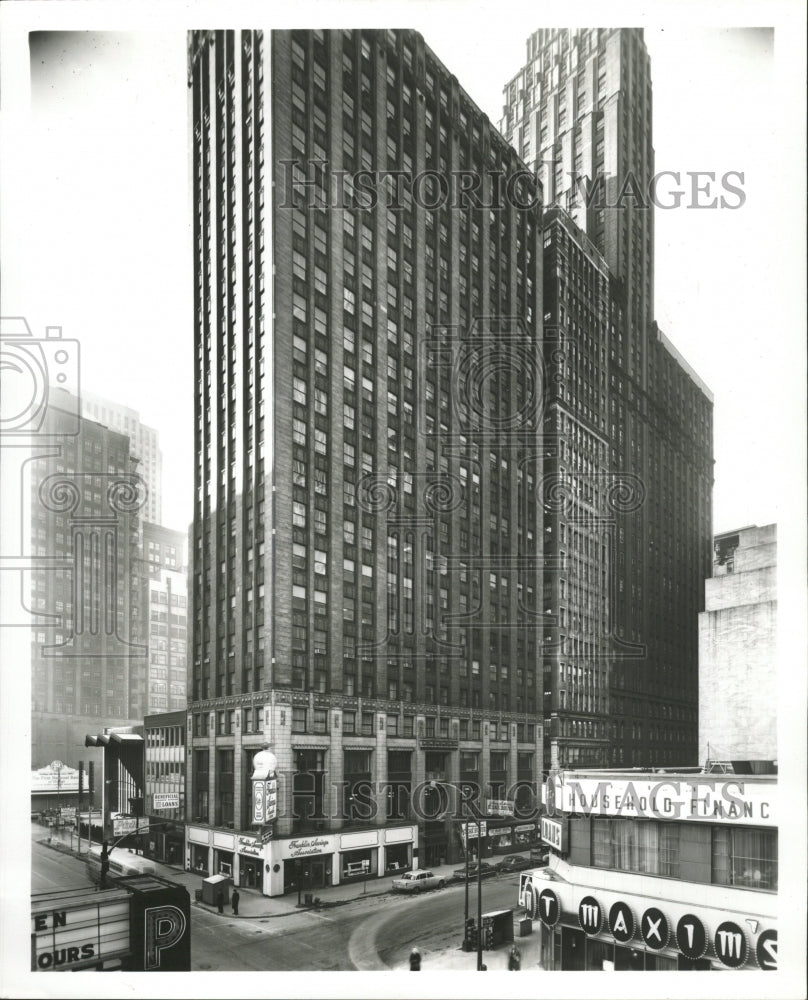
466, 914
480, 966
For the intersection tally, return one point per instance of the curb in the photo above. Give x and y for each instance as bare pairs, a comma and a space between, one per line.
327, 905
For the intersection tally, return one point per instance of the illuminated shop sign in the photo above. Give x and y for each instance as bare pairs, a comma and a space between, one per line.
590, 915
766, 950
621, 922
691, 937
730, 945
144, 924
658, 931
554, 833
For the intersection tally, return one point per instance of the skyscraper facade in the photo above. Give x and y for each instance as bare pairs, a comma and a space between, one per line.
145, 446
634, 466
88, 654
365, 559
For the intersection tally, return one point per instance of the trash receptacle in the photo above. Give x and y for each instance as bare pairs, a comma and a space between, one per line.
198, 895
525, 927
308, 898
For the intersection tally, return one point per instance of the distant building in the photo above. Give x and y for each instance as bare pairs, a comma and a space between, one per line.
738, 649
145, 445
164, 584
88, 651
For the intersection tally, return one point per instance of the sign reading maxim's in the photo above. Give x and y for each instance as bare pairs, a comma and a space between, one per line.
659, 797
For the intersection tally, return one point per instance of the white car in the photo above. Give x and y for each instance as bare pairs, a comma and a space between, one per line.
418, 881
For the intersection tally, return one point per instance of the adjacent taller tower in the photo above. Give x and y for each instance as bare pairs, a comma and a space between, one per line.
633, 418
580, 114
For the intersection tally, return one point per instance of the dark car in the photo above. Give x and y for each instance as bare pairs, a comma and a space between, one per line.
485, 870
514, 863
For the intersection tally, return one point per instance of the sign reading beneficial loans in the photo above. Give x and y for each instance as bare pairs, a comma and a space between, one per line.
500, 807
168, 801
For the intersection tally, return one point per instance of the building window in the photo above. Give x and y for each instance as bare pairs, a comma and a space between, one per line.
636, 846
298, 720
349, 723
746, 858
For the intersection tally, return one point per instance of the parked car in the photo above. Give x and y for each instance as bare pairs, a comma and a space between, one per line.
485, 870
418, 881
514, 863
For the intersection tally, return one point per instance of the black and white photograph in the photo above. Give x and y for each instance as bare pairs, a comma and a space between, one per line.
403, 542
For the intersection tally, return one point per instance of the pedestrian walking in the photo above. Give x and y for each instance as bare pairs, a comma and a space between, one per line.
220, 901
514, 959
415, 960
235, 900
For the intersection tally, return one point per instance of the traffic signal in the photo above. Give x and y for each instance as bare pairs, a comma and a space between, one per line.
91, 780
81, 778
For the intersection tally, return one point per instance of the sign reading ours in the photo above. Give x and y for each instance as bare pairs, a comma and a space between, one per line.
590, 916
621, 922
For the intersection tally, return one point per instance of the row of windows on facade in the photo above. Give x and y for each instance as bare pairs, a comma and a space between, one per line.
739, 857
316, 721
437, 763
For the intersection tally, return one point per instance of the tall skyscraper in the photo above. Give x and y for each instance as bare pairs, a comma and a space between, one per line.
89, 649
365, 576
633, 518
145, 446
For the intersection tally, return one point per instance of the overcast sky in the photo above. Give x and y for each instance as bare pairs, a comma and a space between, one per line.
107, 245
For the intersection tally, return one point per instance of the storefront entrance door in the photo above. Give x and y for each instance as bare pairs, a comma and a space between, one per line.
318, 875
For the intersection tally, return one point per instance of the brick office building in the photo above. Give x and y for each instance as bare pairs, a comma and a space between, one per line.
366, 457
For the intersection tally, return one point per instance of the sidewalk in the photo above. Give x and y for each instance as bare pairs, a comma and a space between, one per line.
254, 905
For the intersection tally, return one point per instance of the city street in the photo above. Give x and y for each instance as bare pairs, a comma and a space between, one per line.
369, 933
